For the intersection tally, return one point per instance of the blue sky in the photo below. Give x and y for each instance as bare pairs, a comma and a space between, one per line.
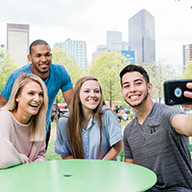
89, 20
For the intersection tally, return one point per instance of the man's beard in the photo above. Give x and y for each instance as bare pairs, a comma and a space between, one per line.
37, 69
134, 106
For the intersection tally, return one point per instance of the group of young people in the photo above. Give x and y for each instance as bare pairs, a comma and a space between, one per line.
157, 138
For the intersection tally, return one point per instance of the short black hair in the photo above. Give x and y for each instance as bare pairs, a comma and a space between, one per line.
132, 68
38, 42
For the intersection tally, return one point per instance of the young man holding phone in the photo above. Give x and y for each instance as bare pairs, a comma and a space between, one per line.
157, 138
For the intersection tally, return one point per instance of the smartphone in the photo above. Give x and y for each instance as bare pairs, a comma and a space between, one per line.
173, 92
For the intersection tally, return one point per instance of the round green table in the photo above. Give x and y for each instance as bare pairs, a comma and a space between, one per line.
76, 176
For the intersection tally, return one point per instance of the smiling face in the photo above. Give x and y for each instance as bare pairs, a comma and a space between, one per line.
29, 101
90, 95
135, 90
41, 59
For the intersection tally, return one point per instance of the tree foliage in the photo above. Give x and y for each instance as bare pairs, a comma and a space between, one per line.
107, 68
61, 57
188, 71
158, 73
6, 67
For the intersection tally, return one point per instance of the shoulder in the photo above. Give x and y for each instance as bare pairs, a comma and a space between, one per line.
168, 110
6, 118
25, 69
107, 115
5, 114
62, 122
57, 68
106, 111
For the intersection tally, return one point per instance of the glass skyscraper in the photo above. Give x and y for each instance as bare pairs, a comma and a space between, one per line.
76, 49
142, 36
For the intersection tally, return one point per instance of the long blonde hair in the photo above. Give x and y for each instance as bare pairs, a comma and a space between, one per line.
75, 118
37, 131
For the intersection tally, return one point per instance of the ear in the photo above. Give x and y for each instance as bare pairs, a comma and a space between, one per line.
149, 86
17, 99
121, 91
29, 58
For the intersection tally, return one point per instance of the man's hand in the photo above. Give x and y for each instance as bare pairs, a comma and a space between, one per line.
188, 94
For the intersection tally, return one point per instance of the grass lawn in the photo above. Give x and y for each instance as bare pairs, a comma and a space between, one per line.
50, 154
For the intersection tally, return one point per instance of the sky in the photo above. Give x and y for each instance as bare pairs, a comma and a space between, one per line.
89, 20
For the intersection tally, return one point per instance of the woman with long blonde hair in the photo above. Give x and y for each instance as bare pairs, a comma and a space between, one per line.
22, 122
90, 130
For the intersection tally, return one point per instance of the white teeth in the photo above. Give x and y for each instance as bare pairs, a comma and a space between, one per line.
132, 97
34, 105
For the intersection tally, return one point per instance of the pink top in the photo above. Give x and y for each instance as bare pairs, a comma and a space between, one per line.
15, 144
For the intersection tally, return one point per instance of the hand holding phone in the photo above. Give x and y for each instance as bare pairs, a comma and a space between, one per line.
174, 92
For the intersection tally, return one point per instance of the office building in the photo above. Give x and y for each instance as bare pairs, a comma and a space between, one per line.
76, 49
18, 43
114, 40
187, 54
142, 36
115, 43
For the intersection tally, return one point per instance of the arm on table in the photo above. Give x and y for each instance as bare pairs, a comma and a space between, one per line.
129, 161
67, 157
10, 156
40, 146
114, 151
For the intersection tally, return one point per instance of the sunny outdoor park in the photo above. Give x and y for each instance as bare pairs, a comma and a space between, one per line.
95, 95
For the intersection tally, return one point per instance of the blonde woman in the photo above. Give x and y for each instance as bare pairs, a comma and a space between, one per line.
23, 121
91, 131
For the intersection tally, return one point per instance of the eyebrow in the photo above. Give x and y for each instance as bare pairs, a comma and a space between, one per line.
134, 81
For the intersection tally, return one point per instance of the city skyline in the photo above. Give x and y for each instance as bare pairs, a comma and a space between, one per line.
90, 20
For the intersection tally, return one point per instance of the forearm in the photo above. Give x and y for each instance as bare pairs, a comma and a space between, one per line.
129, 161
114, 151
38, 151
10, 156
183, 124
188, 126
67, 157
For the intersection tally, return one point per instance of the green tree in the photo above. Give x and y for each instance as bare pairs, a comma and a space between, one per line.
106, 68
188, 71
61, 57
6, 67
158, 73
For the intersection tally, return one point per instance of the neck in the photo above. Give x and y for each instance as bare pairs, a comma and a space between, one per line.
143, 110
86, 118
22, 118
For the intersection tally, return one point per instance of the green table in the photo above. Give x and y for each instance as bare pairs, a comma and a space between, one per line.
76, 176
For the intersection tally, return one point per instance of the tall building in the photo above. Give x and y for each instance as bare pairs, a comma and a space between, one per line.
114, 40
18, 42
142, 36
187, 54
115, 43
76, 49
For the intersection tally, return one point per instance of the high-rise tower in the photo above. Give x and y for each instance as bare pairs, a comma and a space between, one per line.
76, 49
142, 36
18, 42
